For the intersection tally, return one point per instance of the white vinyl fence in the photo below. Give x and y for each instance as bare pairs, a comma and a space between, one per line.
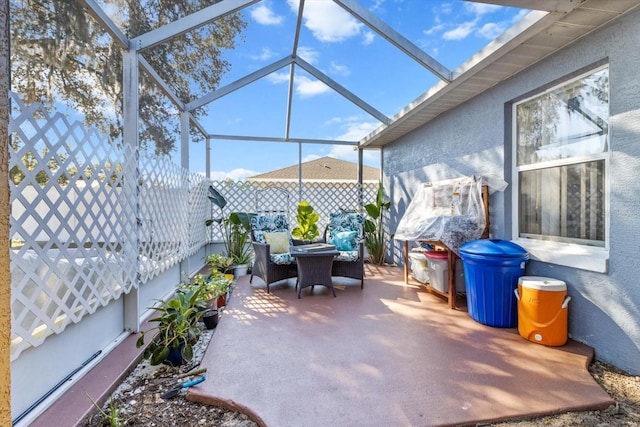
92, 220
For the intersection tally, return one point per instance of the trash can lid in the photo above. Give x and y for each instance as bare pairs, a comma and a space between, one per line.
493, 247
437, 254
542, 283
417, 256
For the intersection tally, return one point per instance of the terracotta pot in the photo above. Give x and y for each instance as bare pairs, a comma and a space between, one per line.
222, 301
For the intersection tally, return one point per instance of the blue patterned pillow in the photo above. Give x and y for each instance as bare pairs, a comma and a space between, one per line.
343, 240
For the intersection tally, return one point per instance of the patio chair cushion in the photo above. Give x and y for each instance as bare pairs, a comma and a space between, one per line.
282, 259
345, 232
343, 240
278, 240
261, 224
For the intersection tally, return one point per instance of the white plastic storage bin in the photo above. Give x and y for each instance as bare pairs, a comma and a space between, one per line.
419, 268
438, 270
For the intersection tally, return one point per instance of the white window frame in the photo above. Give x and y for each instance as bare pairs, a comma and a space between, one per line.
573, 255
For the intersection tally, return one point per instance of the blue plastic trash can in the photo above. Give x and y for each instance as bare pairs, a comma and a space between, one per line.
492, 268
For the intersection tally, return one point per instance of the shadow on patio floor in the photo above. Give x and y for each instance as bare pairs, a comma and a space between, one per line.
391, 354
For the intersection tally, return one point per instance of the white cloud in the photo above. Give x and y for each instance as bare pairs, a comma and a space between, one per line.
520, 15
368, 38
327, 21
262, 14
344, 152
446, 8
309, 54
306, 88
236, 174
342, 70
355, 131
434, 29
462, 31
281, 77
264, 55
481, 8
491, 30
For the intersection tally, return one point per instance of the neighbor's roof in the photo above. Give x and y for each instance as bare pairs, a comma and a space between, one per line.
322, 169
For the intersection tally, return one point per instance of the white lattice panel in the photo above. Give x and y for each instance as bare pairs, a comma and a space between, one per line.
163, 212
199, 212
91, 220
71, 223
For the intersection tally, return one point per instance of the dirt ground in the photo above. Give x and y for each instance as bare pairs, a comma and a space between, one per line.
138, 403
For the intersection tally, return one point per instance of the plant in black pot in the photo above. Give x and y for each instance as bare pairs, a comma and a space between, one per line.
207, 296
176, 329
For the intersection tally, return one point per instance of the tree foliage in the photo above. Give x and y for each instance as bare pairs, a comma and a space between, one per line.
59, 53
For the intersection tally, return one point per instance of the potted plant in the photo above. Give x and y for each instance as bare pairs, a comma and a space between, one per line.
176, 329
236, 230
374, 235
219, 262
307, 219
220, 285
209, 300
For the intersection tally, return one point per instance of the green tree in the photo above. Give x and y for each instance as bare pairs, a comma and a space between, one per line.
59, 53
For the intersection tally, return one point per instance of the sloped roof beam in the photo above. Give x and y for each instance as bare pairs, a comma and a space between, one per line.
342, 90
395, 38
294, 53
249, 78
105, 22
189, 22
275, 139
164, 87
287, 123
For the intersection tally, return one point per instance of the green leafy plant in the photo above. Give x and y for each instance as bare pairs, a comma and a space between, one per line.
236, 229
374, 235
219, 262
177, 326
113, 416
307, 228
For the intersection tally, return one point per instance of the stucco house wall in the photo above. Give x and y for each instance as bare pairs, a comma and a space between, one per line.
475, 138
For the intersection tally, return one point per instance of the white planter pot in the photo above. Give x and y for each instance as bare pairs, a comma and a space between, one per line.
240, 270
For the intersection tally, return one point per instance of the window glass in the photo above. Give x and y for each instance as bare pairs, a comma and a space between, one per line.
562, 141
570, 121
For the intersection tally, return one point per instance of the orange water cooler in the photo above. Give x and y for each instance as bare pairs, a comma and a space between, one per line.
543, 307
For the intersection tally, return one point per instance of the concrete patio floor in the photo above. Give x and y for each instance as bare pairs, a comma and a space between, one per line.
388, 355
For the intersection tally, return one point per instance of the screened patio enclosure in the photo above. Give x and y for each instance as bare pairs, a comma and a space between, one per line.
101, 225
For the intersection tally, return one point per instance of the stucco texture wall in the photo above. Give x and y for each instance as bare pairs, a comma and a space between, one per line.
475, 139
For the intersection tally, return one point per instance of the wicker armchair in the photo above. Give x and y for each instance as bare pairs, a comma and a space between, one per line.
345, 231
268, 233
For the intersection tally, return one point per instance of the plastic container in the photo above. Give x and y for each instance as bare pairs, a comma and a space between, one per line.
460, 286
438, 270
492, 268
419, 268
543, 307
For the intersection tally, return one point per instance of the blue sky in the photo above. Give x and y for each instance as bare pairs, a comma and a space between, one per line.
348, 52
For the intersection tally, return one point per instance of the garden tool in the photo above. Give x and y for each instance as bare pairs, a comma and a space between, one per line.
174, 391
